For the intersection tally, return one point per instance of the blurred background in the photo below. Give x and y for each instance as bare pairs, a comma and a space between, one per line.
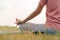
12, 9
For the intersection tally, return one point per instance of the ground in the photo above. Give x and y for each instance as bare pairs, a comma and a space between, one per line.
25, 36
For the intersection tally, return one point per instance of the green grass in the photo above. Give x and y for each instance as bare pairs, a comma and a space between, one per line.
28, 36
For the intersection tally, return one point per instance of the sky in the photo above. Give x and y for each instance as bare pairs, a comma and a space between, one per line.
21, 9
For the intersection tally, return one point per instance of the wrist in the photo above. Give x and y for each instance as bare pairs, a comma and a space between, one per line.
27, 19
23, 22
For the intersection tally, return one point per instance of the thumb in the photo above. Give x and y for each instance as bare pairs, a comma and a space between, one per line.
17, 19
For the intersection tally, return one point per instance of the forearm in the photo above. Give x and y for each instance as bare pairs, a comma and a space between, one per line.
33, 14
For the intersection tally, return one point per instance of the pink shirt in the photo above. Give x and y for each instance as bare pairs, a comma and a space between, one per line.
52, 13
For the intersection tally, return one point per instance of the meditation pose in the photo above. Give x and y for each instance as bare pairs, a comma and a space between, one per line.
52, 24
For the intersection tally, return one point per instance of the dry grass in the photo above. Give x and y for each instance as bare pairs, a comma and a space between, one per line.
28, 36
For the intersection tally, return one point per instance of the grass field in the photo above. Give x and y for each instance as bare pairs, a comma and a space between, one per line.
25, 36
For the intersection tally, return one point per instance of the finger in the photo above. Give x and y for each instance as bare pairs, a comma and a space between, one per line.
17, 19
16, 25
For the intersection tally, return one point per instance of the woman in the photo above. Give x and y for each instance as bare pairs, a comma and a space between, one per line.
52, 15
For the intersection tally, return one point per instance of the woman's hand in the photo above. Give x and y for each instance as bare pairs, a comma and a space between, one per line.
18, 22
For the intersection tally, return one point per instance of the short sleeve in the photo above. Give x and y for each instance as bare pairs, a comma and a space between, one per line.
43, 2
